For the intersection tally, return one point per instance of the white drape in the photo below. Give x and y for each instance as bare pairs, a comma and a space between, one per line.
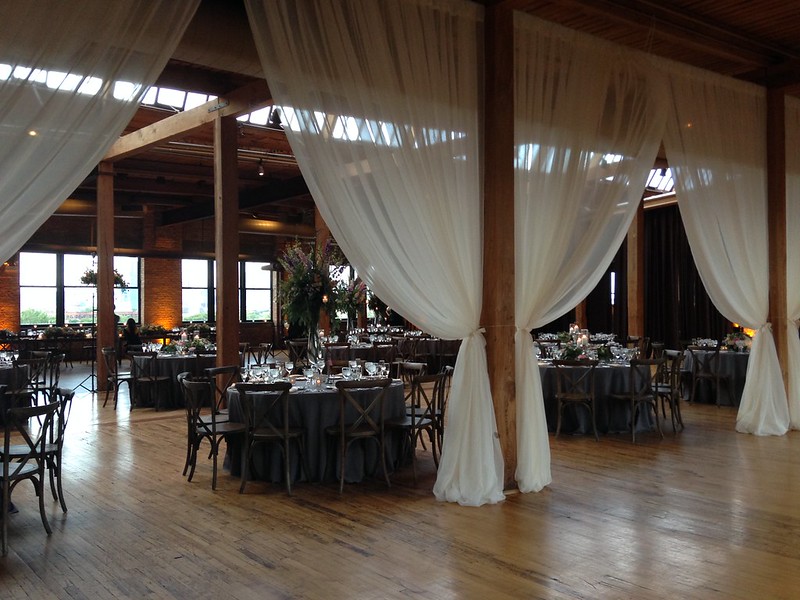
589, 116
71, 78
793, 253
716, 146
382, 101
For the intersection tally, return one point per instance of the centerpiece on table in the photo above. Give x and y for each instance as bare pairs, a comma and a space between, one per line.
351, 298
738, 341
309, 287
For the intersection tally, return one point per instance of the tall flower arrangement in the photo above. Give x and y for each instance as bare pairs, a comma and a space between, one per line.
89, 277
310, 283
351, 297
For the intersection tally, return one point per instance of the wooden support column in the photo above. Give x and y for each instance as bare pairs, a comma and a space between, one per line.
498, 228
776, 222
226, 238
323, 234
636, 274
106, 332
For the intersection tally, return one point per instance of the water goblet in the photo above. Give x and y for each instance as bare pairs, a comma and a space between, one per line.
274, 373
289, 367
371, 368
347, 372
353, 364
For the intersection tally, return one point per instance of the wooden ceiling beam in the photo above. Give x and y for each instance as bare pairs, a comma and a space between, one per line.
246, 99
275, 191
682, 27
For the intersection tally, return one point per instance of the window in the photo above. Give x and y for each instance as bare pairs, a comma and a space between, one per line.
38, 289
255, 291
51, 292
198, 277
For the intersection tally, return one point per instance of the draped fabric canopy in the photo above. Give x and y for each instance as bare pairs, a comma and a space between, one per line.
70, 80
382, 104
793, 254
716, 146
588, 122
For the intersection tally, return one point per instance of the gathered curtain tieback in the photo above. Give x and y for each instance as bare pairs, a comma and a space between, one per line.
480, 330
767, 326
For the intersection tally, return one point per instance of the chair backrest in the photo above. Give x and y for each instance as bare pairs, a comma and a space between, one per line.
386, 353
337, 352
64, 398
222, 378
198, 393
53, 371
704, 360
656, 349
110, 358
244, 348
575, 377
179, 378
427, 396
264, 352
644, 376
33, 440
143, 364
268, 413
298, 351
27, 372
366, 411
673, 371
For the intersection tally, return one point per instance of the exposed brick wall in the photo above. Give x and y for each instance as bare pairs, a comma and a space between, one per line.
161, 291
9, 297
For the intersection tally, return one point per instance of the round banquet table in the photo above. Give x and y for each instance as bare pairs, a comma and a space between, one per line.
611, 415
314, 411
171, 365
733, 365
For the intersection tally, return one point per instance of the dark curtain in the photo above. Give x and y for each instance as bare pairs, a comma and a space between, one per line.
601, 315
677, 307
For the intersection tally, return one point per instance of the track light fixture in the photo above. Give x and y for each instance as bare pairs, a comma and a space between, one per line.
261, 167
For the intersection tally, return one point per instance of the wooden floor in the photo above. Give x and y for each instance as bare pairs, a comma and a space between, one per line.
708, 513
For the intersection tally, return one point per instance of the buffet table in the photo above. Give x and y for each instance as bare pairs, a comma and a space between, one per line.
314, 411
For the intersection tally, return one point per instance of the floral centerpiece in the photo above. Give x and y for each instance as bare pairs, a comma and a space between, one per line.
89, 277
738, 341
199, 344
350, 298
378, 307
54, 331
309, 286
151, 330
201, 329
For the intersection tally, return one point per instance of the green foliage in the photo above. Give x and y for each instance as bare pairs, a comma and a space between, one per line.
309, 287
33, 316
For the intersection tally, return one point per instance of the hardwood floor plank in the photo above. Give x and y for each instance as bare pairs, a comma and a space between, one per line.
706, 513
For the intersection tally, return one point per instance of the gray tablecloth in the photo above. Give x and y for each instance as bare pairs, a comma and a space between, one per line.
611, 415
731, 364
315, 411
171, 365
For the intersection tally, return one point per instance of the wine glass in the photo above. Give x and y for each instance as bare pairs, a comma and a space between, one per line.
289, 368
347, 372
274, 373
371, 368
308, 373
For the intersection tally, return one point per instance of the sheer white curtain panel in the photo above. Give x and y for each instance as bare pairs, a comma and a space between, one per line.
71, 78
589, 116
793, 254
381, 101
716, 146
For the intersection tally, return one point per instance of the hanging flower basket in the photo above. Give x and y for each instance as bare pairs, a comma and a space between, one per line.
89, 277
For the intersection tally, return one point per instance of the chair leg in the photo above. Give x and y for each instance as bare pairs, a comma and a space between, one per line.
41, 505
245, 467
286, 466
214, 446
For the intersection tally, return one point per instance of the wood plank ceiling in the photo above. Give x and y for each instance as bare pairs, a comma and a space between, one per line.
757, 40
